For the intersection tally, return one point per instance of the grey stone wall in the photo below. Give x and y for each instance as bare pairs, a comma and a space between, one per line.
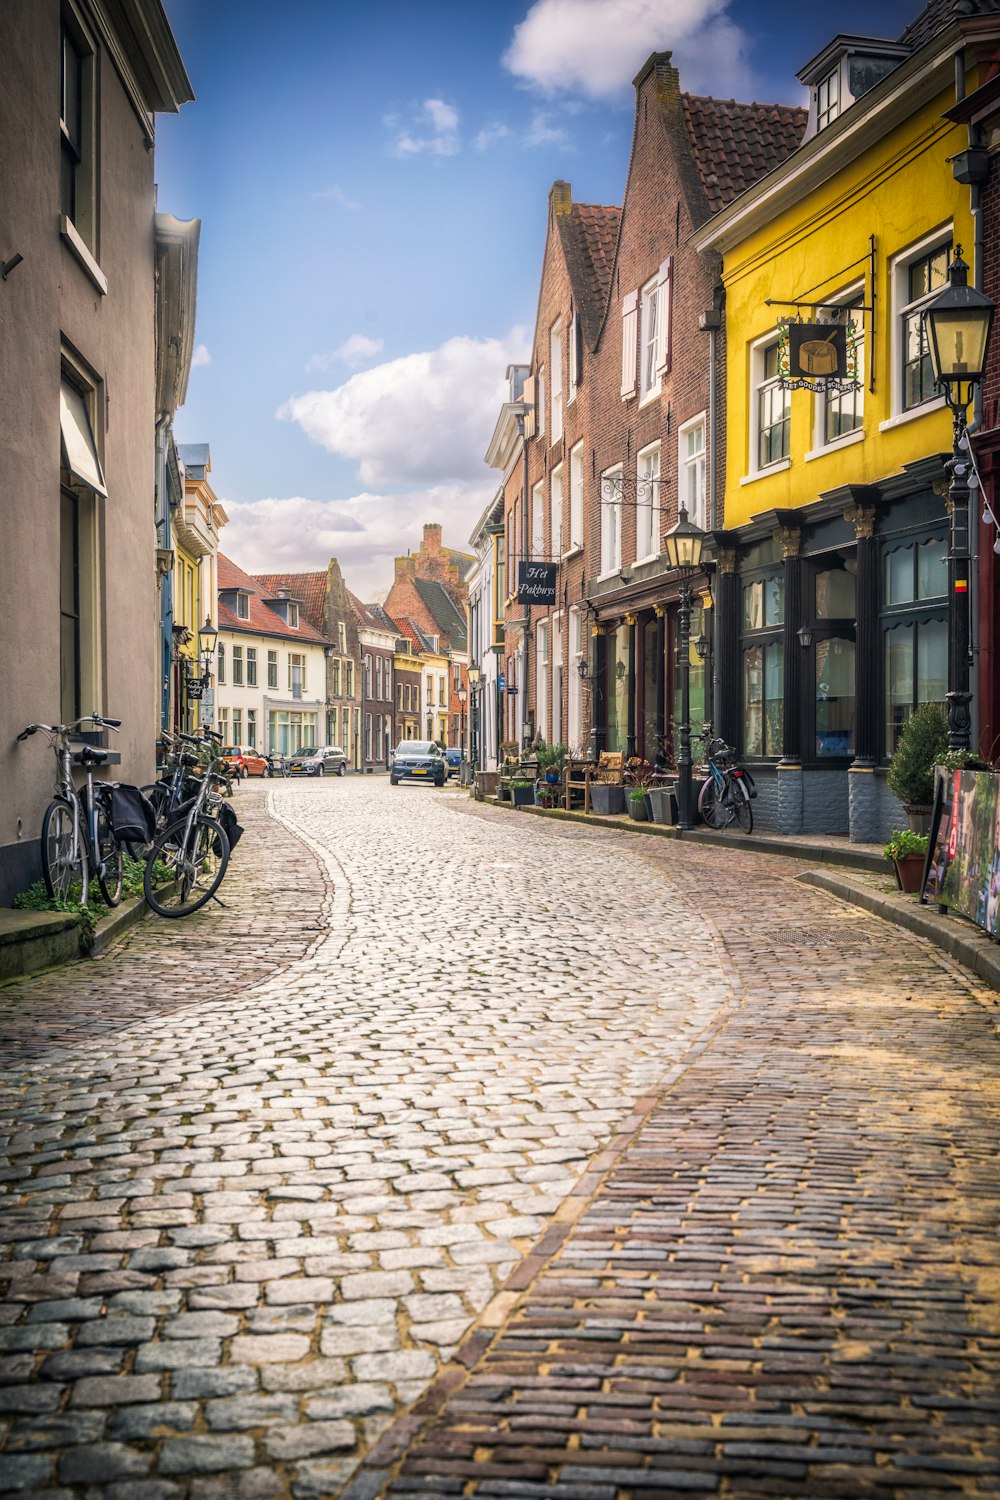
766, 817
825, 801
875, 811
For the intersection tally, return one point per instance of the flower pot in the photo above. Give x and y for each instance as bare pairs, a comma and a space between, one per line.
909, 872
552, 777
637, 810
607, 800
662, 807
918, 818
522, 796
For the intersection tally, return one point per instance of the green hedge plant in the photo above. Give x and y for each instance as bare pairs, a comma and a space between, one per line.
923, 744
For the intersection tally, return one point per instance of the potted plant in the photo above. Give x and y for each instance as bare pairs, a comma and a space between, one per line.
522, 793
638, 809
551, 759
923, 744
607, 798
907, 851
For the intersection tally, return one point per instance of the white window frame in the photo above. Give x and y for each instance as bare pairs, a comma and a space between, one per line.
695, 465
540, 402
827, 95
574, 357
220, 665
647, 508
555, 381
242, 605
649, 357
611, 522
758, 351
821, 403
575, 498
556, 510
630, 344
574, 704
237, 665
272, 669
555, 675
293, 616
251, 666
899, 274
538, 520
542, 679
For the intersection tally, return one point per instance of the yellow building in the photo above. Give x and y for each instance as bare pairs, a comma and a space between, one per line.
831, 596
196, 523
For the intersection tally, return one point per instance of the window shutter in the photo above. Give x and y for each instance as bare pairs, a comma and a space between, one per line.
574, 353
528, 397
664, 316
630, 334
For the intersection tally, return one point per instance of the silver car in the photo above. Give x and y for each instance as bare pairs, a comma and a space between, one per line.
327, 760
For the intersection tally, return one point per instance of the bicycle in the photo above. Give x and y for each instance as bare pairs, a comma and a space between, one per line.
78, 838
188, 858
726, 795
176, 782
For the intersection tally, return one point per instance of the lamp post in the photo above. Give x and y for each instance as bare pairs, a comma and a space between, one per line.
208, 635
957, 324
473, 676
462, 694
683, 545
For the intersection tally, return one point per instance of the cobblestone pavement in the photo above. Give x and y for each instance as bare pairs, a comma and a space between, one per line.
786, 1281
265, 1167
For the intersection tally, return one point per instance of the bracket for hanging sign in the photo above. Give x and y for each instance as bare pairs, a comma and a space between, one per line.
806, 350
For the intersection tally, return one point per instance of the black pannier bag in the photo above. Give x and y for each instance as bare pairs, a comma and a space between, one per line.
233, 829
133, 818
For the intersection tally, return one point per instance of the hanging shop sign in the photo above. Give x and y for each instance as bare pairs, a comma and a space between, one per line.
536, 583
817, 356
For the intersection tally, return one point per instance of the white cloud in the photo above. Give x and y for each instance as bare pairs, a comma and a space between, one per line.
335, 194
356, 350
598, 46
490, 135
541, 131
364, 533
433, 129
200, 357
424, 418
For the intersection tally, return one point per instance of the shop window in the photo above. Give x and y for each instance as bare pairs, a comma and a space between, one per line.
915, 630
764, 602
834, 696
763, 698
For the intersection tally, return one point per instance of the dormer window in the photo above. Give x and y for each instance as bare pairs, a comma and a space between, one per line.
242, 606
293, 616
827, 99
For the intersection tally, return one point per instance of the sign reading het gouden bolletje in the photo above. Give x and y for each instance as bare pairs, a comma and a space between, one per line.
536, 583
817, 356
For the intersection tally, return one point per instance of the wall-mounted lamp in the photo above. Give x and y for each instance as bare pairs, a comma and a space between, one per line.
805, 636
701, 645
583, 667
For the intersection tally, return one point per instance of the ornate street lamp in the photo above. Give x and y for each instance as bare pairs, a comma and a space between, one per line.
683, 546
473, 676
957, 324
462, 694
208, 636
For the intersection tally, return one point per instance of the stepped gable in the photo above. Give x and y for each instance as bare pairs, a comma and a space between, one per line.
735, 145
941, 13
308, 588
589, 233
262, 621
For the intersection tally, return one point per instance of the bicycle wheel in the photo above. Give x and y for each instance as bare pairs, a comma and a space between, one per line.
61, 866
195, 864
715, 813
742, 808
109, 856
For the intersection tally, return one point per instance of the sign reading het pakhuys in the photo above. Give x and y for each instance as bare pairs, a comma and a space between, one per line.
536, 583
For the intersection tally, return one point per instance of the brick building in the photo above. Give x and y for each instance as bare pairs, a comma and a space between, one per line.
377, 636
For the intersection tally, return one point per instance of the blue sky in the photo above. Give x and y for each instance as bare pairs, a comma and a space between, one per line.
372, 181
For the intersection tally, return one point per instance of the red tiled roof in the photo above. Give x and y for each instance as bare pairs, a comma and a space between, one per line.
589, 234
262, 621
734, 145
310, 588
364, 614
407, 629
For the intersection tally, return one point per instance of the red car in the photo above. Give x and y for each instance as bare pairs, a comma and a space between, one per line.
243, 763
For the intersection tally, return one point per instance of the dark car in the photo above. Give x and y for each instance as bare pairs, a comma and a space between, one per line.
327, 760
454, 759
418, 760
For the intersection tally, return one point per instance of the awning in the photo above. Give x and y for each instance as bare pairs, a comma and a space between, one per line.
79, 451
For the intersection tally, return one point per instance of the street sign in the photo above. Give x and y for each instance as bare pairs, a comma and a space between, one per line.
208, 706
501, 682
536, 583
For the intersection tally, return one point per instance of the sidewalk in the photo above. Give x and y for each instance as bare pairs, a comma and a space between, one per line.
782, 1277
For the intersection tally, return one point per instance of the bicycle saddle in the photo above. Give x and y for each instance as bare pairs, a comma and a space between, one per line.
89, 756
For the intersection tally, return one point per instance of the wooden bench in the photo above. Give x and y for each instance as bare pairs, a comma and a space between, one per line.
579, 776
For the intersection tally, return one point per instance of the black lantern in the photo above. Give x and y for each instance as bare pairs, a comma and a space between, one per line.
805, 635
683, 545
208, 635
958, 323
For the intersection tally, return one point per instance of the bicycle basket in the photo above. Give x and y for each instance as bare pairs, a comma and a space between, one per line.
133, 818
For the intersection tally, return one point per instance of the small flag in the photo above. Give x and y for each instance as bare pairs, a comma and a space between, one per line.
961, 586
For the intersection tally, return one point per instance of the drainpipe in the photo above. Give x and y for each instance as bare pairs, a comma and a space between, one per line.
524, 555
710, 322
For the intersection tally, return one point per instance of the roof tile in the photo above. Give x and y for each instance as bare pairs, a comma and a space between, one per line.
262, 621
734, 145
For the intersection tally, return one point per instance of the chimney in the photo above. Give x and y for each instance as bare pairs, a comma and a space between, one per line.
432, 538
560, 198
404, 567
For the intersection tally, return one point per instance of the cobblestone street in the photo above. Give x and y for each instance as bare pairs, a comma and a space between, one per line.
504, 1157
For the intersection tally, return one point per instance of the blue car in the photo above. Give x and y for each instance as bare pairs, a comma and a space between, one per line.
418, 760
454, 759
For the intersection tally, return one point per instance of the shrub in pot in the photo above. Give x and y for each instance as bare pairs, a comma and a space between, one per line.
638, 810
923, 744
907, 852
522, 793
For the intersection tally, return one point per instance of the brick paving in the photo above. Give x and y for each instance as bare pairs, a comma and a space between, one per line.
786, 1280
261, 1171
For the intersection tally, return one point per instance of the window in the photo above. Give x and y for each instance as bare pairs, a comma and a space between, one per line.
378, 677
349, 679
542, 680
224, 725
82, 483
916, 280
827, 99
538, 520
252, 728
251, 666
649, 382
576, 497
575, 355
574, 727
78, 133
272, 669
293, 615
296, 673
691, 474
243, 606
763, 650
611, 520
915, 629
430, 691
342, 637
335, 679
555, 510
399, 696
499, 587
237, 666
843, 411
222, 662
237, 726
647, 509
555, 367
541, 401
773, 410
69, 607
288, 730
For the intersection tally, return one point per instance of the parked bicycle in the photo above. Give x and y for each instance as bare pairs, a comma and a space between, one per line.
188, 857
78, 838
727, 792
177, 780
